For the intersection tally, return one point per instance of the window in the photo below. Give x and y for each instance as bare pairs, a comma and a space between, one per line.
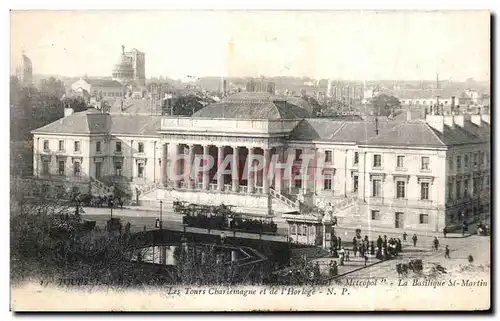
293, 229
424, 190
61, 145
141, 148
376, 187
476, 159
98, 147
466, 187
375, 215
401, 162
466, 161
45, 167
60, 167
298, 153
355, 183
298, 183
450, 189
45, 145
118, 147
77, 146
459, 162
328, 156
476, 183
458, 189
425, 163
481, 158
76, 169
327, 183
140, 170
304, 230
118, 169
356, 158
450, 164
424, 219
377, 161
400, 189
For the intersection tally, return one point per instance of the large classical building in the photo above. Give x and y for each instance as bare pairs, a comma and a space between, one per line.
130, 68
411, 174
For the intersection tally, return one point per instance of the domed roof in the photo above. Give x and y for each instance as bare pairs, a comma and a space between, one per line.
22, 62
253, 105
123, 63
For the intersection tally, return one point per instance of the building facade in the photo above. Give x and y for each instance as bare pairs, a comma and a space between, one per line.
270, 157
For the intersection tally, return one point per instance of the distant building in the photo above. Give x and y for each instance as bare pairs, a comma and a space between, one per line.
24, 71
130, 68
99, 88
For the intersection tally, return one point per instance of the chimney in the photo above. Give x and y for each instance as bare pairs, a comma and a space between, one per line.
436, 122
448, 120
408, 115
460, 119
68, 111
476, 119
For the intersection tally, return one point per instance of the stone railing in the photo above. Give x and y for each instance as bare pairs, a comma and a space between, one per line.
283, 199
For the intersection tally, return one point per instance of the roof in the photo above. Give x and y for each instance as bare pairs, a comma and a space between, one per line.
103, 83
253, 105
444, 93
392, 133
93, 121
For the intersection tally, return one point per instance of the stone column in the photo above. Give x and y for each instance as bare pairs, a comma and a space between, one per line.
278, 179
164, 164
235, 172
250, 174
220, 159
189, 168
176, 166
206, 172
265, 172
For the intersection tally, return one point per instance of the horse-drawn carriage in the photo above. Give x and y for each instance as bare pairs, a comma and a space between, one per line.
204, 216
416, 266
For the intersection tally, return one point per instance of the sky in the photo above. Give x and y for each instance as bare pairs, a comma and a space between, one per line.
349, 45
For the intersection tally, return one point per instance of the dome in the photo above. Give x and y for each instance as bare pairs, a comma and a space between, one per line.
23, 64
124, 63
253, 105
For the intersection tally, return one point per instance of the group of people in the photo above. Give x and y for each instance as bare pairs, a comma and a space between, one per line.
388, 248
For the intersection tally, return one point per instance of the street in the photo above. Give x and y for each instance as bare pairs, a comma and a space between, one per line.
461, 248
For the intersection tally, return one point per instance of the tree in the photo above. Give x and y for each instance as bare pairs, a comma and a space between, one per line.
52, 87
384, 104
187, 105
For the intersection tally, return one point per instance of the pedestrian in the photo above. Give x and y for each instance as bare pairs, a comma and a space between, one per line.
445, 231
347, 258
379, 242
399, 246
447, 252
464, 228
339, 242
355, 249
342, 253
317, 272
354, 241
436, 243
404, 237
366, 259
335, 268
414, 238
372, 248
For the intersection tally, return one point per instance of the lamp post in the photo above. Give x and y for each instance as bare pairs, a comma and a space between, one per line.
161, 217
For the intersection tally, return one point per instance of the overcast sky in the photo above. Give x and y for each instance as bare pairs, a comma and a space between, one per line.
329, 44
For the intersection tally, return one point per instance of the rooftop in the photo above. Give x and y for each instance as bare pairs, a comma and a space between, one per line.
253, 105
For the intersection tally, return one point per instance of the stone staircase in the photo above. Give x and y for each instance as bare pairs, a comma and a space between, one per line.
99, 188
291, 204
344, 209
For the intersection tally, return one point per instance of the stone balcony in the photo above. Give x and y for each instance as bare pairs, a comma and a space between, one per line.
232, 127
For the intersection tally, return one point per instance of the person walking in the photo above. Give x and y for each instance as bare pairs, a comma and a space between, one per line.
447, 252
379, 242
404, 237
414, 238
339, 242
347, 255
445, 231
436, 243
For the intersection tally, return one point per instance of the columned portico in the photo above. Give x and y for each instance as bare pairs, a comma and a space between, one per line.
206, 171
251, 173
265, 172
235, 170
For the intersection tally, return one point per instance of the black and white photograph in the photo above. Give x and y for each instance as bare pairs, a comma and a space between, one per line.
250, 160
